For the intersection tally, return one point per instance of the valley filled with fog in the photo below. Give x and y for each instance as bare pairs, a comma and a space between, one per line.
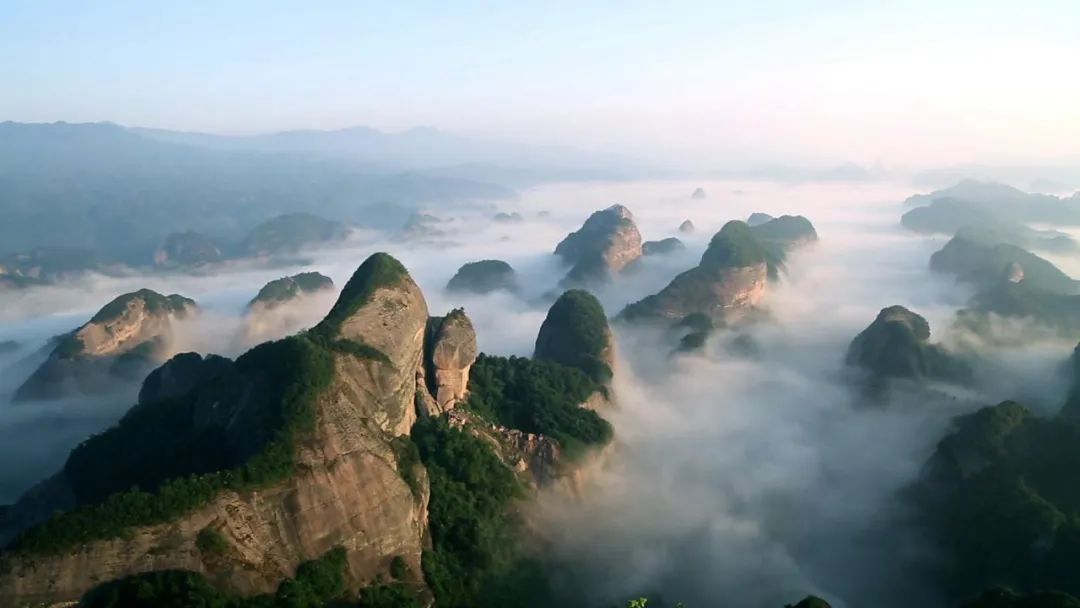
758, 468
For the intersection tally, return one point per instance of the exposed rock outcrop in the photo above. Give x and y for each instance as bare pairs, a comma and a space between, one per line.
576, 333
662, 247
347, 489
729, 279
483, 277
119, 343
187, 249
605, 245
451, 351
897, 345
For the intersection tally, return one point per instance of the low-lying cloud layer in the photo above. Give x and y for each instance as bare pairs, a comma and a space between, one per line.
737, 478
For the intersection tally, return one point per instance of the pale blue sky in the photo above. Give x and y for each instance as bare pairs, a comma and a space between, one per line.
899, 82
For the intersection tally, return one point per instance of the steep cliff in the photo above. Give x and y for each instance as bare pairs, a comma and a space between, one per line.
299, 449
120, 343
729, 279
604, 246
451, 351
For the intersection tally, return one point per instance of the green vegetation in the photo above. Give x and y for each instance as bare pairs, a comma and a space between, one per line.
471, 530
575, 333
982, 264
786, 228
290, 232
1022, 300
734, 246
777, 235
153, 301
407, 457
662, 247
392, 595
483, 277
379, 270
349, 346
69, 346
287, 288
1000, 496
537, 397
399, 570
317, 583
897, 345
156, 464
211, 541
188, 248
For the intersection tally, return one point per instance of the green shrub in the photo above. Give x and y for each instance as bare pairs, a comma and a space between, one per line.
537, 397
156, 465
211, 541
471, 491
394, 595
379, 270
316, 583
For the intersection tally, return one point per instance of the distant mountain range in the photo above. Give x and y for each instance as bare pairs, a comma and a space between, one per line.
421, 149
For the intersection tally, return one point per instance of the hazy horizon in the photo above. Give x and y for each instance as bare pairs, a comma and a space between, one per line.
687, 84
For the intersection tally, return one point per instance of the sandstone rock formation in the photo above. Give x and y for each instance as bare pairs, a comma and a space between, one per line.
729, 279
483, 277
118, 343
297, 447
897, 345
451, 351
605, 245
347, 487
686, 227
576, 333
285, 289
187, 249
662, 247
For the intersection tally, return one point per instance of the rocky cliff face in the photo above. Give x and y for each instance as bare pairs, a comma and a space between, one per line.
897, 345
348, 487
605, 245
118, 343
729, 279
451, 352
